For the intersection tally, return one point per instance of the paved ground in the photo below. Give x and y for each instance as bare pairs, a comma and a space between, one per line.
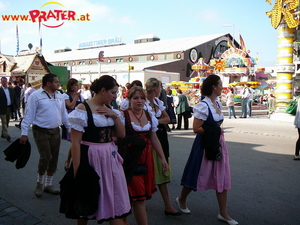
265, 180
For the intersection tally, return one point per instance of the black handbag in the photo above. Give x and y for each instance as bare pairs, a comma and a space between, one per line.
213, 153
140, 170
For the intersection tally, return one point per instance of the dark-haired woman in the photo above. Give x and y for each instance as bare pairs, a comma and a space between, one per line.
72, 98
97, 166
204, 171
170, 109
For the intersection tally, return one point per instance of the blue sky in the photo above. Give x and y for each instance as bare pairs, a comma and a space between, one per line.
164, 18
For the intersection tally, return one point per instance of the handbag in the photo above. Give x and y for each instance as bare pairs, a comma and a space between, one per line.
213, 153
140, 170
292, 107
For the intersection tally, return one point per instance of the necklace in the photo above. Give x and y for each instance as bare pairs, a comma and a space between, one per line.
138, 118
218, 111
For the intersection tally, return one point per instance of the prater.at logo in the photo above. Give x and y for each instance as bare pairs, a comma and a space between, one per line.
56, 16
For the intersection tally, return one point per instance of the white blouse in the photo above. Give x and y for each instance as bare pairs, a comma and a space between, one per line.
146, 127
78, 119
201, 110
159, 104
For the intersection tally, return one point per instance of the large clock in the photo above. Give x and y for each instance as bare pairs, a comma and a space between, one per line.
193, 55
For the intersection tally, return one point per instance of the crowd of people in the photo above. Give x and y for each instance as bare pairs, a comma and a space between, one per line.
119, 152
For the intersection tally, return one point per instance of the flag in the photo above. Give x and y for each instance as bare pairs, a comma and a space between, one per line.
17, 35
229, 43
40, 36
243, 46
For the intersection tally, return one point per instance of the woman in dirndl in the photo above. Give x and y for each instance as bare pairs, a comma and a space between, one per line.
94, 188
202, 173
136, 149
156, 107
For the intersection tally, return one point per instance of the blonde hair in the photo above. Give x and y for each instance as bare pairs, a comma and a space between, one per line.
151, 84
135, 89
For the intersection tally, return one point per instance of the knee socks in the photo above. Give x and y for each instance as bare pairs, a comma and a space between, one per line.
40, 178
48, 179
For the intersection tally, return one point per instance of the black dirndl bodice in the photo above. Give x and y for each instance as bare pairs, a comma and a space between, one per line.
95, 134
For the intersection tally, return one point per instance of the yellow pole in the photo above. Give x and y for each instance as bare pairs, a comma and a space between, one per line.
285, 66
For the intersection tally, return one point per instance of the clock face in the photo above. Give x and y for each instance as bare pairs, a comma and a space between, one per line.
108, 60
130, 59
152, 57
178, 56
193, 55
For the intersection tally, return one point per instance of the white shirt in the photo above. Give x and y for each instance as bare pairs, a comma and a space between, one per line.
6, 91
246, 93
27, 93
86, 94
251, 93
45, 112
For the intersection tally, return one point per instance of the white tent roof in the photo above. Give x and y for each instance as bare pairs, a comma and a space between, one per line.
155, 47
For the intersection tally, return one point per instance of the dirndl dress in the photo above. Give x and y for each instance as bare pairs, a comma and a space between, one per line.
201, 174
162, 135
141, 187
98, 152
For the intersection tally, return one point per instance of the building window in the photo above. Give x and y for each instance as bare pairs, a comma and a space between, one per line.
66, 64
170, 57
142, 58
161, 57
81, 63
119, 60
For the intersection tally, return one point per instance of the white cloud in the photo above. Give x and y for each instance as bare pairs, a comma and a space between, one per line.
2, 5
